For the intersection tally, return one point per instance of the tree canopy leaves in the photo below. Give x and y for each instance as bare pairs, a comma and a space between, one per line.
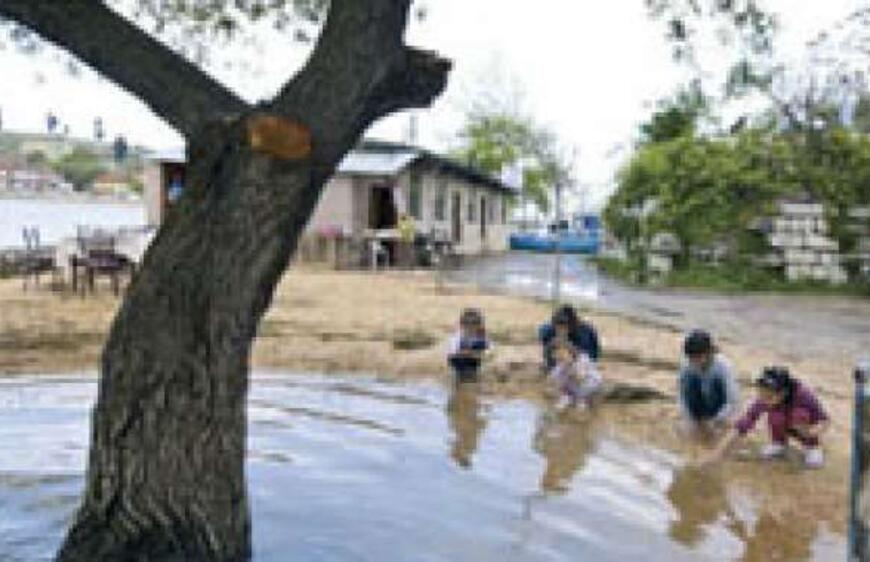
711, 191
494, 140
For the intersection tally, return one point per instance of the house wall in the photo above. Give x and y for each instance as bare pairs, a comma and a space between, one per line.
152, 194
471, 242
336, 209
344, 207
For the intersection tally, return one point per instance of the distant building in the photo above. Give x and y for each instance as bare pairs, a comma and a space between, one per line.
111, 183
375, 184
56, 145
25, 181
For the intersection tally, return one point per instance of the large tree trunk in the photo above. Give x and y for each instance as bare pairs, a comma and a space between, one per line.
165, 479
166, 475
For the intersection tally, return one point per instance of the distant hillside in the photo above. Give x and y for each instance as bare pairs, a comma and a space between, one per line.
84, 163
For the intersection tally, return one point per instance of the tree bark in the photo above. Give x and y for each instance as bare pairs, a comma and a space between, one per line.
165, 479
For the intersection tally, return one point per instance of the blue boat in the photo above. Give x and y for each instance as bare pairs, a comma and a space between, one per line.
580, 238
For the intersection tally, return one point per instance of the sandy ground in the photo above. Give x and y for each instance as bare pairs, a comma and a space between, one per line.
395, 325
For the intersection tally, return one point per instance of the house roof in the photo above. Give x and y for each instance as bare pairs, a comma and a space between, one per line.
378, 155
383, 158
377, 163
169, 156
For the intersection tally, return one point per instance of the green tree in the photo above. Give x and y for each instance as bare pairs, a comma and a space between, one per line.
36, 159
676, 117
491, 141
165, 476
80, 167
708, 191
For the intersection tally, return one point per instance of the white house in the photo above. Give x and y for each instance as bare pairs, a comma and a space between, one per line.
374, 185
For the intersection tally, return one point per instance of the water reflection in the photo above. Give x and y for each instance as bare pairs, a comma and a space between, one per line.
700, 500
467, 420
354, 469
566, 441
775, 537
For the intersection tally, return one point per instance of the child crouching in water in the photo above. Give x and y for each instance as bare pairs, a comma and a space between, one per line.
575, 376
793, 412
468, 347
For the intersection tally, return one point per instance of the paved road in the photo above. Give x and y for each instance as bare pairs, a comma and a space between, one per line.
798, 326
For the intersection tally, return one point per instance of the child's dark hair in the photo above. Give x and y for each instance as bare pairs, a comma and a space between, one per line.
699, 342
473, 317
778, 379
566, 315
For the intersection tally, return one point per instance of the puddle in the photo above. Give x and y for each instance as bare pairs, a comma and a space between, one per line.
352, 469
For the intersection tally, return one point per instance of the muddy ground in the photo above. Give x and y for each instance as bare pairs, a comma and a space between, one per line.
394, 325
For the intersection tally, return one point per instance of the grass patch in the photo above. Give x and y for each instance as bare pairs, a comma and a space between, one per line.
410, 340
733, 278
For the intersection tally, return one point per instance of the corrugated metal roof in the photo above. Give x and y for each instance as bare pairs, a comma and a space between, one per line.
382, 158
170, 156
370, 163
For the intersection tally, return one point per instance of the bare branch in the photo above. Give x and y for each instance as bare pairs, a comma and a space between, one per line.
172, 87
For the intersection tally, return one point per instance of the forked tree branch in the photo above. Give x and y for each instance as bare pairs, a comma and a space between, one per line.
174, 88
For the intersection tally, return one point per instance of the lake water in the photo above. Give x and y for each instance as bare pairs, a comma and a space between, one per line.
358, 469
58, 219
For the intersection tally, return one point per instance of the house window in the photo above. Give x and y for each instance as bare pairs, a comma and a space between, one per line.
472, 208
504, 209
415, 197
441, 200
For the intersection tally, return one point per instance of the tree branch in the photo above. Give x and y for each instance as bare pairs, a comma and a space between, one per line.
360, 71
174, 88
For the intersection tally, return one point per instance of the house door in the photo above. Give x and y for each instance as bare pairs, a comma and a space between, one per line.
483, 216
382, 209
456, 216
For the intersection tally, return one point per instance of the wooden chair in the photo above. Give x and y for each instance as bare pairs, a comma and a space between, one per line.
97, 256
37, 260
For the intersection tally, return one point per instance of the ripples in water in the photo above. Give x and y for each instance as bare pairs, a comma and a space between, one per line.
357, 469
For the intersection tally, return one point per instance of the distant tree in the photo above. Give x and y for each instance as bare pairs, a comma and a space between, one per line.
707, 191
491, 141
80, 167
676, 117
36, 159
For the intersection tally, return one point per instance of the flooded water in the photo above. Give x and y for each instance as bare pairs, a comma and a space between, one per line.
840, 326
361, 470
58, 219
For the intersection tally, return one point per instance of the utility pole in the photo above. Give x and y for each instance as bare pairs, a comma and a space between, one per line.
557, 266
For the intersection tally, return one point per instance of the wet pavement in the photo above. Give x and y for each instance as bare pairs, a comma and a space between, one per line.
359, 469
799, 327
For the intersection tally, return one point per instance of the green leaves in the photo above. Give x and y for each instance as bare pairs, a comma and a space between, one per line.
677, 117
710, 191
80, 167
492, 141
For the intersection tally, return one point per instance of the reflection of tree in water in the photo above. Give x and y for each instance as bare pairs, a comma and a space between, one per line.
467, 422
565, 443
700, 500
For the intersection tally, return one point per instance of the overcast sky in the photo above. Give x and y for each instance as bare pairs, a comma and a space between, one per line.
587, 69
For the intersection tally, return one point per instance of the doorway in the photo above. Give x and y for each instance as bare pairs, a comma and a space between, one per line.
483, 217
382, 208
456, 217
